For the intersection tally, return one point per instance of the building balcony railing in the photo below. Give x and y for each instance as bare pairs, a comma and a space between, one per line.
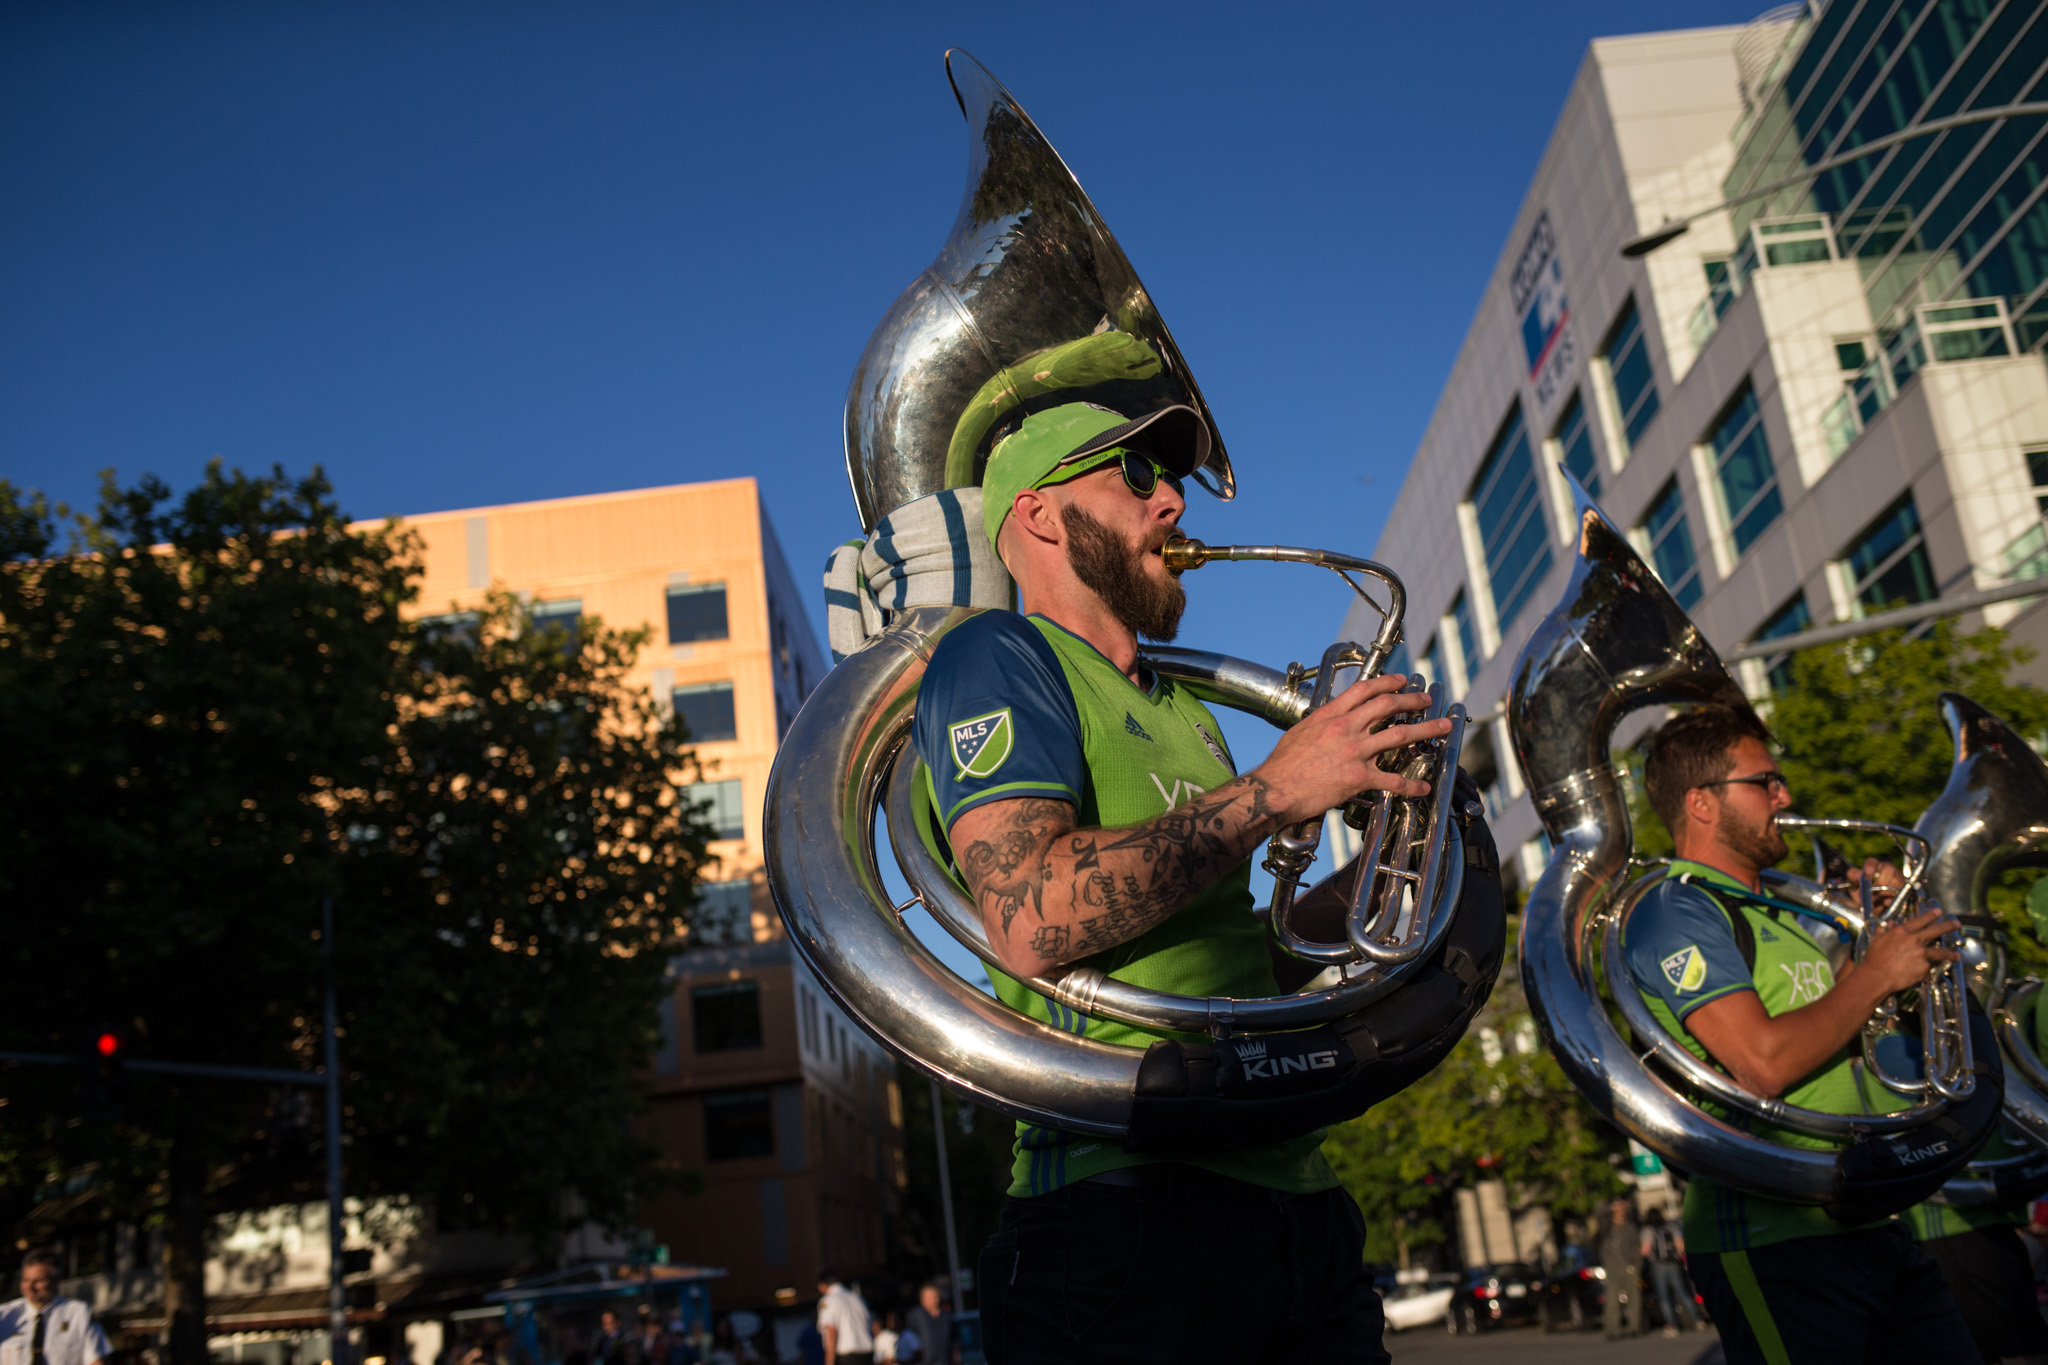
1933, 333
1770, 242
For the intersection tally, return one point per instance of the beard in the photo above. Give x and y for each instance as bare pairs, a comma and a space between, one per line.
1762, 845
1115, 571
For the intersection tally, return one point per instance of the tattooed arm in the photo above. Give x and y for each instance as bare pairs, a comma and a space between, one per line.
1050, 893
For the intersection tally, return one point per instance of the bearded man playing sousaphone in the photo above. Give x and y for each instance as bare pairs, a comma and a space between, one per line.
1095, 815
1736, 977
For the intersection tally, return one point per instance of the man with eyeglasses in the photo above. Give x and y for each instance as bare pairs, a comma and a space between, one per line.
1744, 982
1095, 815
43, 1327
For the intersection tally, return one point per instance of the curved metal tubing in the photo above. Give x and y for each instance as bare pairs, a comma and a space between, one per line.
1093, 992
1702, 1079
2025, 1073
819, 812
1616, 643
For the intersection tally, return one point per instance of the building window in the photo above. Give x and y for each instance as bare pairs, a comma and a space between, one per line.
696, 611
1398, 661
722, 804
1789, 619
737, 1124
565, 614
1888, 565
726, 1017
1670, 545
1507, 499
1468, 636
724, 914
1575, 446
1630, 373
706, 710
2037, 472
1743, 468
1433, 664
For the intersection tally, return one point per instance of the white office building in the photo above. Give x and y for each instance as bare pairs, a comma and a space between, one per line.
1821, 403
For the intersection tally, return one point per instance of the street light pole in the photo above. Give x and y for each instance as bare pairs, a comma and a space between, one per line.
1672, 228
337, 1232
946, 1202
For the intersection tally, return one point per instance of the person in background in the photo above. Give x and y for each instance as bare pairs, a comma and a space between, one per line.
885, 1340
844, 1322
932, 1321
1621, 1257
1664, 1253
54, 1330
611, 1346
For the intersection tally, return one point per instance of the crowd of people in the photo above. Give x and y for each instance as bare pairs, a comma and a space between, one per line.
848, 1332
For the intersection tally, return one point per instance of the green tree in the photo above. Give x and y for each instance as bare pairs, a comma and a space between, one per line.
978, 1155
216, 716
1498, 1108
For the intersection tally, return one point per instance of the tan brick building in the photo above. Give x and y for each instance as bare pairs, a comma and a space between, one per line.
787, 1110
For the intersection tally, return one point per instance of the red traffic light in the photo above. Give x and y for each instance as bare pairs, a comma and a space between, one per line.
107, 1044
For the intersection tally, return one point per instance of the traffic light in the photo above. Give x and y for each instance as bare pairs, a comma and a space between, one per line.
100, 1073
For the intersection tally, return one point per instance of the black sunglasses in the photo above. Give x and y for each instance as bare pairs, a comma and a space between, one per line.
1142, 474
1770, 782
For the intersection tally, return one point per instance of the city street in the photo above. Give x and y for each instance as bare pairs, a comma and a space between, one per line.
1527, 1346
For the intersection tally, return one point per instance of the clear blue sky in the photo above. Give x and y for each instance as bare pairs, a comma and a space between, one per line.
470, 253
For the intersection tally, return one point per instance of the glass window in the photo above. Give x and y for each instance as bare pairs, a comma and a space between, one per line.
1433, 664
2037, 470
726, 1017
1398, 661
1671, 546
1468, 635
724, 914
706, 708
565, 613
738, 1123
1508, 500
1575, 444
1742, 465
1628, 367
1851, 356
1888, 565
1789, 619
696, 611
721, 801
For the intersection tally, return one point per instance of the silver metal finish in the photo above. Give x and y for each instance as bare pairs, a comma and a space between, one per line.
1029, 303
1615, 644
1992, 817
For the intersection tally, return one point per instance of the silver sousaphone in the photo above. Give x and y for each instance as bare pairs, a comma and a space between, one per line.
1031, 303
1990, 818
1616, 643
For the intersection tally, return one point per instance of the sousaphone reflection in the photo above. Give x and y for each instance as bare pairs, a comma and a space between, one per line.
1992, 817
1029, 304
1616, 643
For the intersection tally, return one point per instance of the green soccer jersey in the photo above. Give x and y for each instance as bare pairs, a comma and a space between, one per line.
1681, 948
1018, 707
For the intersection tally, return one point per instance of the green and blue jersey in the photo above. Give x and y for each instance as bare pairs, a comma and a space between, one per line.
1014, 707
1682, 949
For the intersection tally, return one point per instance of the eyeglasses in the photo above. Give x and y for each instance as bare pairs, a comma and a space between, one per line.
1772, 783
1142, 475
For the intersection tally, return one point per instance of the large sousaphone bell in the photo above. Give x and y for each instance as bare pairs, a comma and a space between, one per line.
1990, 818
1615, 644
1030, 304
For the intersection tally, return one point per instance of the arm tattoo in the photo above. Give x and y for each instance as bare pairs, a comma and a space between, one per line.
1115, 884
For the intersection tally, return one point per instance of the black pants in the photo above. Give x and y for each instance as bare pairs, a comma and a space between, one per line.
1179, 1266
1993, 1283
1873, 1297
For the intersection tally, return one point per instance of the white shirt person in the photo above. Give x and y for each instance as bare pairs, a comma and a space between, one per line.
42, 1327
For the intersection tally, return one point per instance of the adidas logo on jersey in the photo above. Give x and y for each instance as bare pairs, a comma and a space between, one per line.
1131, 727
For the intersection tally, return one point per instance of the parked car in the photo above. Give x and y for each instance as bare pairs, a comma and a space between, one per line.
1421, 1302
1573, 1294
1493, 1296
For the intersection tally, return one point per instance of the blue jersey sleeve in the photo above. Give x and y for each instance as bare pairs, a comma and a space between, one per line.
1680, 948
996, 719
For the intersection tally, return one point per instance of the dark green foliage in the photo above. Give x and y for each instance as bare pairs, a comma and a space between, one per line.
215, 715
978, 1146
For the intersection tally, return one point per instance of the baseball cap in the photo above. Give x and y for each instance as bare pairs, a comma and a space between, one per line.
1069, 440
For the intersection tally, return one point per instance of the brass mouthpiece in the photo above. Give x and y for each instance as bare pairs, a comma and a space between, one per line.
1183, 553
